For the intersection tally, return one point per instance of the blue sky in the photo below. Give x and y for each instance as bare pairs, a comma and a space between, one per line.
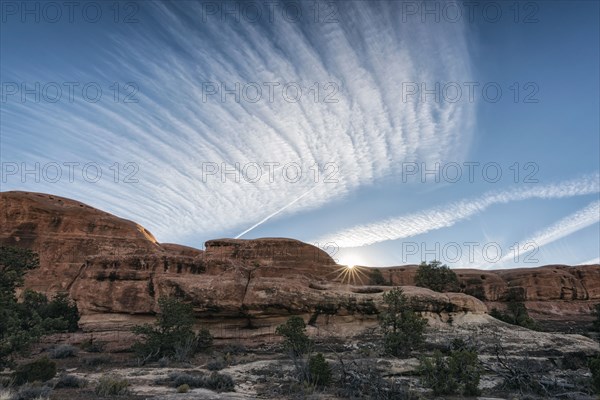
369, 94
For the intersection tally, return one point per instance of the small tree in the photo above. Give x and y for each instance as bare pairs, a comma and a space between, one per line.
402, 328
314, 370
437, 277
294, 332
516, 312
63, 307
460, 372
376, 277
320, 371
172, 334
40, 370
435, 374
14, 263
17, 331
58, 315
22, 323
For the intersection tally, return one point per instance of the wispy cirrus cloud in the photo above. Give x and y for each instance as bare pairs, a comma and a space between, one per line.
366, 133
449, 214
566, 226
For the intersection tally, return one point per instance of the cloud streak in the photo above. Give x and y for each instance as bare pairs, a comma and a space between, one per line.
447, 215
367, 133
566, 226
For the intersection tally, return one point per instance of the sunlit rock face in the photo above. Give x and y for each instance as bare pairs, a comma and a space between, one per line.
116, 270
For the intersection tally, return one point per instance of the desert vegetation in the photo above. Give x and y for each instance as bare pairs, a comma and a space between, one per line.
403, 357
22, 323
401, 326
516, 313
172, 336
436, 276
457, 372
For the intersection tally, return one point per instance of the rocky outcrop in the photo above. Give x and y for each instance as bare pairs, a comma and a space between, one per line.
552, 292
64, 233
547, 283
116, 270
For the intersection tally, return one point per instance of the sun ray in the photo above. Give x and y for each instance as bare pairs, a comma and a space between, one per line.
351, 274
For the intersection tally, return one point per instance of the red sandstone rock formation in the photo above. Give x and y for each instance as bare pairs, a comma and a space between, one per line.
553, 292
115, 270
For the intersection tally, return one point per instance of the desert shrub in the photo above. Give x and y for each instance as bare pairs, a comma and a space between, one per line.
63, 351
215, 381
294, 333
320, 371
402, 328
516, 312
311, 370
181, 378
435, 374
61, 307
460, 372
163, 362
21, 323
183, 388
594, 365
110, 385
436, 276
32, 392
69, 381
204, 340
524, 379
465, 367
184, 349
57, 315
96, 361
520, 375
172, 334
215, 365
219, 382
376, 277
41, 370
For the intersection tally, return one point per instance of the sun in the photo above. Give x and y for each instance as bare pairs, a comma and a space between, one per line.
351, 270
350, 260
351, 274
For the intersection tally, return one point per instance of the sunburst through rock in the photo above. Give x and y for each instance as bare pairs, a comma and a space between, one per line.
352, 274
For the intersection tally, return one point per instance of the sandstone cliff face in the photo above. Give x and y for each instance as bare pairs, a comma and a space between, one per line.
552, 292
116, 270
547, 283
64, 232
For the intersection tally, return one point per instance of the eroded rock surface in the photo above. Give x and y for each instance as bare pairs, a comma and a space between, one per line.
552, 292
116, 270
